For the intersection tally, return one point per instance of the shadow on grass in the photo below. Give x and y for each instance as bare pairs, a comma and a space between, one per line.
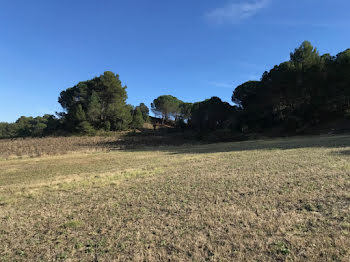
343, 152
177, 144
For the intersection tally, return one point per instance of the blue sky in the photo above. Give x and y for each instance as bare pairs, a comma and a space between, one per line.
192, 49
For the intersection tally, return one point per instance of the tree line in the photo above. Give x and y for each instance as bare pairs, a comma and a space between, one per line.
307, 90
94, 105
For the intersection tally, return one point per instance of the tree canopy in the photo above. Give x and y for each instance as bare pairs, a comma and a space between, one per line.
99, 103
212, 114
30, 127
167, 107
307, 90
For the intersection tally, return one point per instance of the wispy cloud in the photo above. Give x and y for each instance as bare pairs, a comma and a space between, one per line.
221, 84
236, 12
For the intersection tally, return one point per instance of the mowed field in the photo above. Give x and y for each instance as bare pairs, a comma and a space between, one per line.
272, 200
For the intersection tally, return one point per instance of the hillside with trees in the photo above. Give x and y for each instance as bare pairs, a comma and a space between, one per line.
301, 94
308, 90
89, 106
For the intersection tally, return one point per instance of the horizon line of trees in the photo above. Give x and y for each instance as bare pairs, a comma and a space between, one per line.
305, 91
94, 105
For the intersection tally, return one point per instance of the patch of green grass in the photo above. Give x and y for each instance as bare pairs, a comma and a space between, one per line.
281, 248
73, 224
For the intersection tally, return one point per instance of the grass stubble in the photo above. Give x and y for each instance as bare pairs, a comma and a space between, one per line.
274, 200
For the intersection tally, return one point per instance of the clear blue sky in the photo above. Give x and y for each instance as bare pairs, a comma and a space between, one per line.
192, 49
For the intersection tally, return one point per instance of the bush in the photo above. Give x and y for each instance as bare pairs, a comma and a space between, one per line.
85, 128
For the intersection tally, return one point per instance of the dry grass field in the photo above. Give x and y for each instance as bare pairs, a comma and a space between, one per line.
37, 147
272, 200
48, 146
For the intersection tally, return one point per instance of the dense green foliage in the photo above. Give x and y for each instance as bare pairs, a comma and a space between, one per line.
30, 127
304, 92
167, 107
137, 118
212, 114
144, 111
171, 108
95, 104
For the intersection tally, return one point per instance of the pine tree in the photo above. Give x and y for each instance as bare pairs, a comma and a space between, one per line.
137, 121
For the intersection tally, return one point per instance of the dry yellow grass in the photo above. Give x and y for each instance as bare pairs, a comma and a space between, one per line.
48, 146
35, 147
275, 200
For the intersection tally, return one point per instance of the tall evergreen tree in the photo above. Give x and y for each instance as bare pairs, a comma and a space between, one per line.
137, 121
101, 99
145, 112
